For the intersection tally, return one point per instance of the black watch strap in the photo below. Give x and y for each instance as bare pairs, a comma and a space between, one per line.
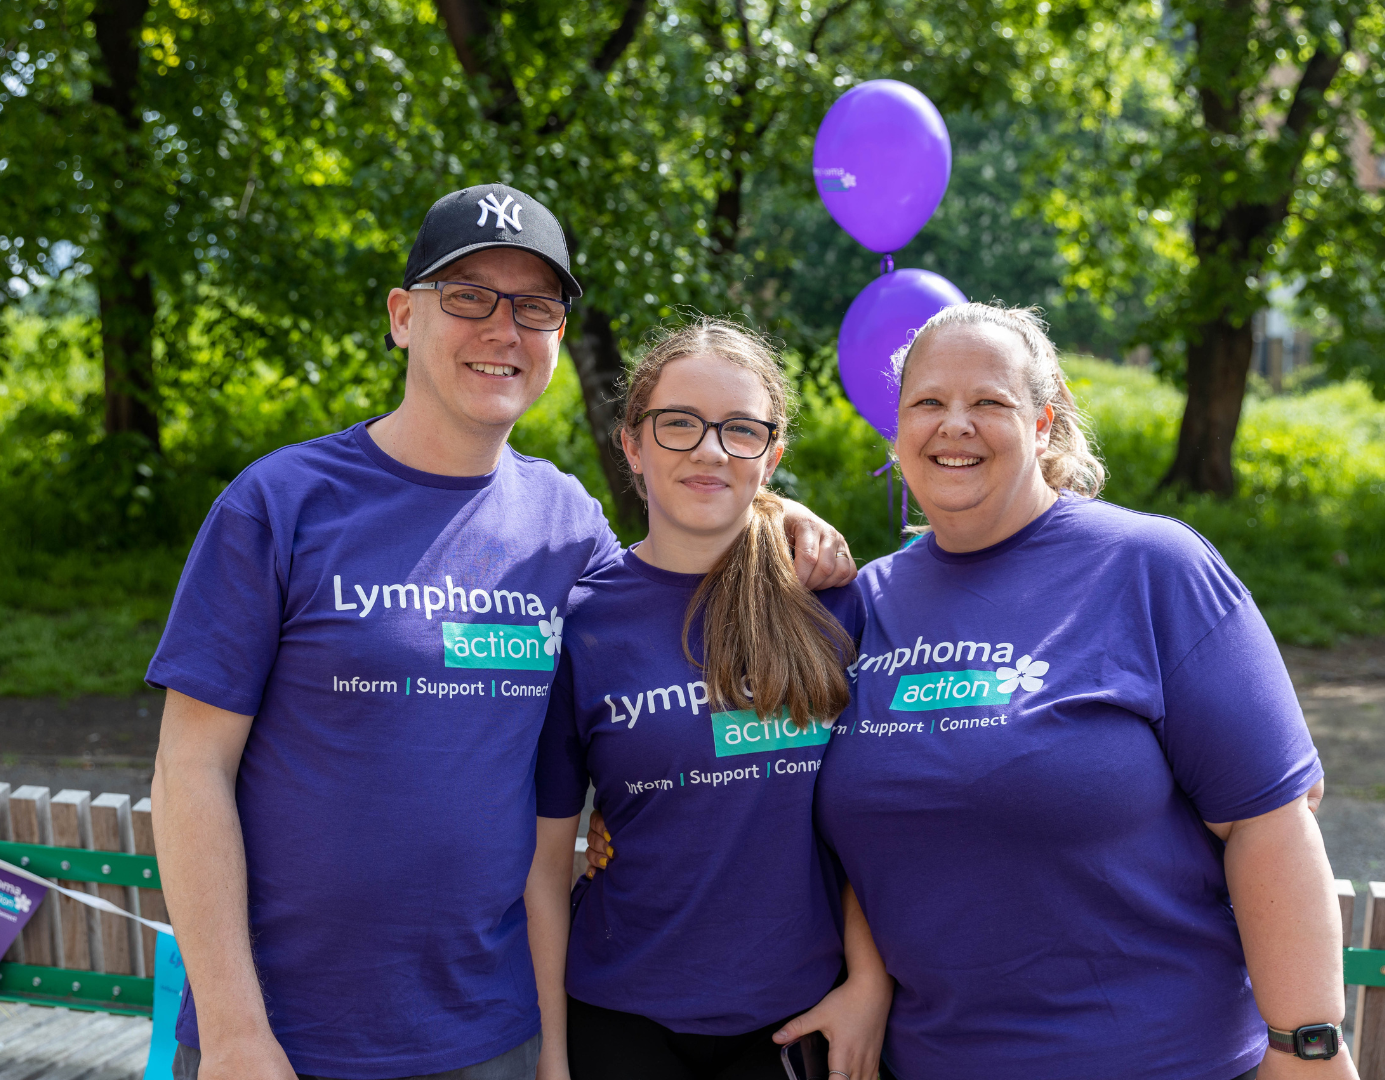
1286, 1042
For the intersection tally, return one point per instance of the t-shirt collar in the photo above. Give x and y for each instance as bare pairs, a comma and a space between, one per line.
416, 476
1009, 543
636, 565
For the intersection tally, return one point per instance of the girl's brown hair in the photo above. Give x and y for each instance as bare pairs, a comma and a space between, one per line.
768, 643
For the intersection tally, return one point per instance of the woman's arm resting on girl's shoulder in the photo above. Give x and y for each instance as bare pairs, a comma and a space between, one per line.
1291, 930
853, 1015
546, 898
821, 558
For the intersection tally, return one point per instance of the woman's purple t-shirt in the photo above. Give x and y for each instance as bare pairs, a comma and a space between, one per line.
1038, 732
719, 914
391, 632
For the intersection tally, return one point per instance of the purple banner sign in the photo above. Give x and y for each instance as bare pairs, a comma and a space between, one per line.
19, 899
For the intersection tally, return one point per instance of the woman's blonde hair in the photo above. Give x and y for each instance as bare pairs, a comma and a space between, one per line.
767, 641
1069, 461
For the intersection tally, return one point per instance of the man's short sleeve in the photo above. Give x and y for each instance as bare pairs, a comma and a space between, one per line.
223, 631
560, 776
1232, 729
607, 549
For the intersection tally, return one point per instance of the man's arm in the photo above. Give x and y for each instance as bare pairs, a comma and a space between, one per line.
546, 900
202, 867
821, 558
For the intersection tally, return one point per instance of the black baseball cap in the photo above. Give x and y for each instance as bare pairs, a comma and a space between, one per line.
487, 216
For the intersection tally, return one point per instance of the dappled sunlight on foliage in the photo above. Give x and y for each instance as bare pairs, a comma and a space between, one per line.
1306, 529
89, 561
68, 486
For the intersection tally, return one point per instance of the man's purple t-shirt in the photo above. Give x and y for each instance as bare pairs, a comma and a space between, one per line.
1038, 733
719, 914
391, 631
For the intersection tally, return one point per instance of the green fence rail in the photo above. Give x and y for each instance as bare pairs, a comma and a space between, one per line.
1363, 967
79, 864
92, 991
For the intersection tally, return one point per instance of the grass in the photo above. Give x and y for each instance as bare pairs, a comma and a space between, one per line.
83, 624
1306, 533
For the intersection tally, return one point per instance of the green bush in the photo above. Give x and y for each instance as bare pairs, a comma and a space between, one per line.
1306, 531
93, 530
66, 486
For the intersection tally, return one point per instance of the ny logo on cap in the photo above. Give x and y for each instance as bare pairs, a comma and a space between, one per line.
489, 205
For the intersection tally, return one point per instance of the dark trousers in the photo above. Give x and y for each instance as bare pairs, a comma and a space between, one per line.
517, 1064
603, 1044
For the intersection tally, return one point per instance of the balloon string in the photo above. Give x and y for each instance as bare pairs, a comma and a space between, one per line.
903, 506
887, 267
889, 489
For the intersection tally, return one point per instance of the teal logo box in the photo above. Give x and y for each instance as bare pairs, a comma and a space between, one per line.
742, 732
495, 645
947, 690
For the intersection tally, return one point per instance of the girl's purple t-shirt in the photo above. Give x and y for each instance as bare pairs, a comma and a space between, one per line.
1038, 733
720, 912
392, 633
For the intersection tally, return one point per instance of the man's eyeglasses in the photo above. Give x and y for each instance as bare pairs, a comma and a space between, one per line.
468, 301
740, 436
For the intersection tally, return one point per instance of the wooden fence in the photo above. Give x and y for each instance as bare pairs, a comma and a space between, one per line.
72, 955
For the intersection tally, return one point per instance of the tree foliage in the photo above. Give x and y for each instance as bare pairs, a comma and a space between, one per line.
241, 179
1222, 158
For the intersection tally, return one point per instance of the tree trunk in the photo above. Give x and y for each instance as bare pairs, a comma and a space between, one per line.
122, 275
1218, 365
596, 354
726, 217
127, 333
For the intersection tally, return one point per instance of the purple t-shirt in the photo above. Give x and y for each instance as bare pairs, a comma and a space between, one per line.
391, 631
1038, 732
718, 914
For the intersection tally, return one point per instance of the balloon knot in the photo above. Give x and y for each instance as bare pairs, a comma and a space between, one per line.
887, 264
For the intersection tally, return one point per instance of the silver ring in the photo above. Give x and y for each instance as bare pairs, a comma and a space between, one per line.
838, 1072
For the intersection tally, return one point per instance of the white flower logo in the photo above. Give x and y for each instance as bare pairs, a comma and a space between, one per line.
552, 630
1027, 673
848, 181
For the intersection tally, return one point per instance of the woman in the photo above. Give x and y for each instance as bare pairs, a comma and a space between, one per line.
697, 689
1072, 794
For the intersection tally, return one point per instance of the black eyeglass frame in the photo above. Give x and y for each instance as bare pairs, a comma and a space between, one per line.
718, 424
436, 286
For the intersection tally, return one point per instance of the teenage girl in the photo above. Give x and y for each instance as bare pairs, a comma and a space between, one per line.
697, 689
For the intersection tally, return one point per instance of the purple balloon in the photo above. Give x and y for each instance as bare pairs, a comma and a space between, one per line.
878, 322
882, 161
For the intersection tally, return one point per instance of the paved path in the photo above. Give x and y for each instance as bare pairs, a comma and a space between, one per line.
64, 1044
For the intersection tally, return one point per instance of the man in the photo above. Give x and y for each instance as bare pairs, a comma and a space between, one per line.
357, 662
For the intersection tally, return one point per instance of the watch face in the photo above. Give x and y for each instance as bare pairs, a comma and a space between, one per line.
1316, 1041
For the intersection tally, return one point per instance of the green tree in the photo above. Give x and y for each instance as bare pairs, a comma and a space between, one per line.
254, 157
266, 162
986, 238
668, 129
1218, 163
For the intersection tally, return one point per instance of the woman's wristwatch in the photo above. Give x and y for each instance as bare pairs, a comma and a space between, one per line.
1312, 1042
